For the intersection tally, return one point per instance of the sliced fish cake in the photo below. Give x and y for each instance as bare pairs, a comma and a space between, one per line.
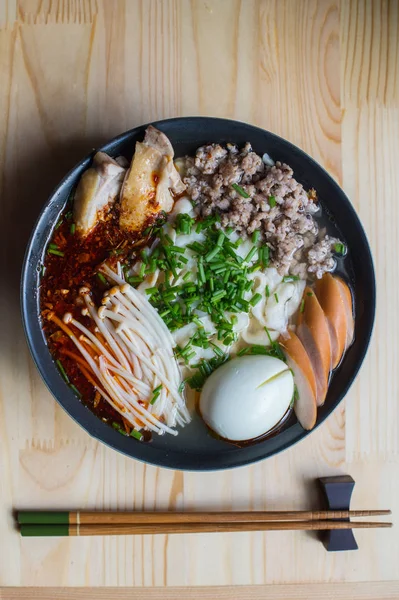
330, 296
298, 360
314, 334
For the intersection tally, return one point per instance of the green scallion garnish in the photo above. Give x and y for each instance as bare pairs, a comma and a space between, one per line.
240, 190
55, 252
272, 201
102, 278
75, 389
256, 298
251, 254
72, 228
340, 248
136, 434
62, 370
155, 394
276, 297
302, 306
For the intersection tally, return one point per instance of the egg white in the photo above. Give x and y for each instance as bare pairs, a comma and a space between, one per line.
247, 397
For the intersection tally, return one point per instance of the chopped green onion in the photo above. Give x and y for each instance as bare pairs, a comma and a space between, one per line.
309, 294
72, 228
267, 291
240, 190
339, 248
151, 290
75, 389
265, 256
212, 253
243, 351
136, 434
288, 278
221, 238
302, 307
53, 246
217, 350
201, 271
268, 335
276, 297
251, 254
256, 298
55, 252
255, 236
134, 279
254, 268
62, 370
155, 397
116, 426
272, 201
186, 276
218, 295
102, 278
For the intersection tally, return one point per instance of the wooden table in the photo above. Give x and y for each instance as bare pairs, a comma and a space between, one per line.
323, 74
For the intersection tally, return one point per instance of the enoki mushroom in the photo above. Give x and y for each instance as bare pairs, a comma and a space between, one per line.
129, 357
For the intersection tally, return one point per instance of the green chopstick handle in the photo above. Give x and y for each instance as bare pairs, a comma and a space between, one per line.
44, 530
28, 517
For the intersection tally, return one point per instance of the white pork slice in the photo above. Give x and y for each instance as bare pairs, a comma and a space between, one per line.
149, 182
96, 192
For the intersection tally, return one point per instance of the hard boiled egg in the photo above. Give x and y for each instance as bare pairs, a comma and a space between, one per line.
246, 397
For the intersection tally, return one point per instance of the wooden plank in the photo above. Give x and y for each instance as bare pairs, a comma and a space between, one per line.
356, 591
371, 179
75, 12
370, 51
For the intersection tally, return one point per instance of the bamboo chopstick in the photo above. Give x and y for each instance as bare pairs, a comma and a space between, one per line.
171, 528
152, 518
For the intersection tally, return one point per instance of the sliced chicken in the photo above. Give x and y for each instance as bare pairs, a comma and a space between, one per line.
330, 296
148, 184
297, 359
97, 189
158, 140
314, 334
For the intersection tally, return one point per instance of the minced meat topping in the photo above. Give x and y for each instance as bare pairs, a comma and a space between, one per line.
253, 196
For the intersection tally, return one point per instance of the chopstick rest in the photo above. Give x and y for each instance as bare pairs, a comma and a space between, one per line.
337, 493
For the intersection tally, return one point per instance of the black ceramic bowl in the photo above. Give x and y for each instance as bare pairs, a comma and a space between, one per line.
194, 448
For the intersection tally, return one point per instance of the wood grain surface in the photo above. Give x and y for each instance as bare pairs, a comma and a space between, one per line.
339, 591
325, 75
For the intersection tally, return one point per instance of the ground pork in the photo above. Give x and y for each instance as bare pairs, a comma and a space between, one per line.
250, 195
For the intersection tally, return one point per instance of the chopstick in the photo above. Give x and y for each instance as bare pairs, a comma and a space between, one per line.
153, 518
162, 528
